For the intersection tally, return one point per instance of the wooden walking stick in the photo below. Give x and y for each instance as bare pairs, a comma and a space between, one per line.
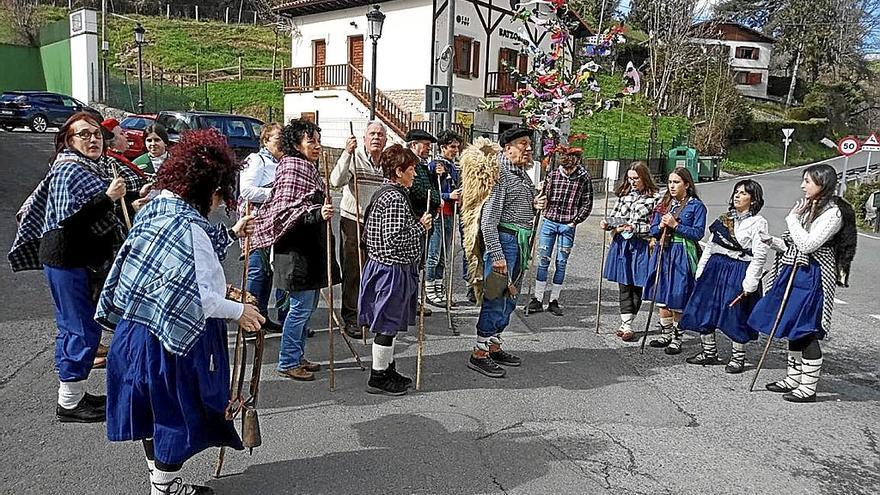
122, 199
328, 201
421, 345
357, 207
443, 250
451, 271
345, 337
782, 305
237, 379
533, 246
656, 283
602, 264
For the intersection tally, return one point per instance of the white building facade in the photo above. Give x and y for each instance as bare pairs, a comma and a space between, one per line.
750, 53
330, 75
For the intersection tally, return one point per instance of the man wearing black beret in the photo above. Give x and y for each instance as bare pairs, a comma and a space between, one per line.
419, 142
506, 226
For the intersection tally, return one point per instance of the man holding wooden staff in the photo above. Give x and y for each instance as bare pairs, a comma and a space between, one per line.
423, 188
358, 170
505, 224
446, 175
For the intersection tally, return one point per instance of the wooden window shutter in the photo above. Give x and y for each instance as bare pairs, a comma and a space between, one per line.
756, 53
523, 64
459, 49
475, 59
754, 78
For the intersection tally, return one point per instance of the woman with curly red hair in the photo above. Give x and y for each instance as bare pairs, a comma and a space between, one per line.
168, 367
390, 283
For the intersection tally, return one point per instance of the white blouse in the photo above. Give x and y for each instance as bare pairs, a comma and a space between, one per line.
748, 233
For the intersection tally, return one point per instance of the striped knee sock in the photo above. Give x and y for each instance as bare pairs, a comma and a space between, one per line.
810, 369
738, 355
710, 347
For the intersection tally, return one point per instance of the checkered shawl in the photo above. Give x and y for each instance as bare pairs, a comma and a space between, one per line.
297, 190
153, 279
71, 182
637, 209
569, 197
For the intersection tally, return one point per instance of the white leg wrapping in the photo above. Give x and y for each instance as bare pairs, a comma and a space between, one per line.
810, 369
70, 393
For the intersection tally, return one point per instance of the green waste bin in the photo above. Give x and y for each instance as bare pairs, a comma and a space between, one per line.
708, 168
682, 156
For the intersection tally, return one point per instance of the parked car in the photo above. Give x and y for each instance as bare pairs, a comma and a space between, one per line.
242, 132
133, 127
39, 110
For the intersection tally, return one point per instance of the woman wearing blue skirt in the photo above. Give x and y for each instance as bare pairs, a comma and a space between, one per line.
389, 291
168, 366
729, 278
820, 240
683, 216
627, 260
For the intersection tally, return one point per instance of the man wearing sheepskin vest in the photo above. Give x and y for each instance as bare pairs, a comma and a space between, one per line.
504, 221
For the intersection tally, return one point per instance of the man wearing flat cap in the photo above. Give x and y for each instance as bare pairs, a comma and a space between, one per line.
506, 224
419, 142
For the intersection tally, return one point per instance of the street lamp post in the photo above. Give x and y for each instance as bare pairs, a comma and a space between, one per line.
375, 19
139, 41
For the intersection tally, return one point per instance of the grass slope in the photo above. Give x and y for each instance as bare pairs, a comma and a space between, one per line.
763, 156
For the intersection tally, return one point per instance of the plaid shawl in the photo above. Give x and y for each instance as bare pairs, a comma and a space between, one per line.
296, 191
153, 279
72, 181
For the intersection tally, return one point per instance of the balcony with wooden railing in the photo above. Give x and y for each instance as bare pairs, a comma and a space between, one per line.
351, 79
501, 83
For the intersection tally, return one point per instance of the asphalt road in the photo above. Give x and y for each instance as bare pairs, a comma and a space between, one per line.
585, 414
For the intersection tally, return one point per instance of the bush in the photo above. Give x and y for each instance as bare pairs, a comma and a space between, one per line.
857, 194
812, 130
805, 113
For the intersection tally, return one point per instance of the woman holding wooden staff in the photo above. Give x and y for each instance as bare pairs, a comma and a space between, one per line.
683, 216
390, 284
294, 222
820, 242
729, 278
630, 224
168, 367
68, 229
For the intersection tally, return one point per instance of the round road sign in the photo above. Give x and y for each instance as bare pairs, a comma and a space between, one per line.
848, 145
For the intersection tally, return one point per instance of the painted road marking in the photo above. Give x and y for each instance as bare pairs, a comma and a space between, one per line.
838, 301
869, 236
875, 316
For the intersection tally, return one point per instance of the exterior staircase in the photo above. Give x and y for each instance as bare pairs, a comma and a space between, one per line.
351, 79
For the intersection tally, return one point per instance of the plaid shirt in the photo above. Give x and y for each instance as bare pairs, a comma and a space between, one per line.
569, 197
133, 176
637, 210
418, 193
393, 234
71, 182
511, 201
153, 279
297, 191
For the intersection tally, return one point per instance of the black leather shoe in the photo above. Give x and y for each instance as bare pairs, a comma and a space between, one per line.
386, 383
270, 326
534, 306
779, 389
797, 398
703, 359
554, 308
82, 413
407, 381
354, 331
95, 400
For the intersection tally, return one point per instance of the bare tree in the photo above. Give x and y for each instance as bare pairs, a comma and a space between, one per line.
23, 14
281, 25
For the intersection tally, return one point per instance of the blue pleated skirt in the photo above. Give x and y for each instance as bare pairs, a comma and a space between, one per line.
803, 311
707, 309
177, 401
676, 279
627, 261
388, 298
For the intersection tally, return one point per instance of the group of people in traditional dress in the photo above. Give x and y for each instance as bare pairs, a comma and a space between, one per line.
655, 253
158, 283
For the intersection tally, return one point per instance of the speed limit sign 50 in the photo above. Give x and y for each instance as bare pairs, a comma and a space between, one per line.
848, 145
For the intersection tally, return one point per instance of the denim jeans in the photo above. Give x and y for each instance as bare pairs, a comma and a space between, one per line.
495, 313
259, 278
293, 337
436, 262
562, 235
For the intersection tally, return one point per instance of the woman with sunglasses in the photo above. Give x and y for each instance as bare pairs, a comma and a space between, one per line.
68, 228
630, 225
